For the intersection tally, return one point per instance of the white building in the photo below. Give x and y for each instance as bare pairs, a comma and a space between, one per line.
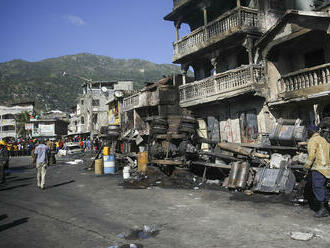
8, 124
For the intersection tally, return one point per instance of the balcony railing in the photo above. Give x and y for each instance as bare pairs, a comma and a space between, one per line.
231, 21
222, 84
130, 102
306, 78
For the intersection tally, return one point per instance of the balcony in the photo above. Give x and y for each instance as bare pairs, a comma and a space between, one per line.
178, 3
145, 98
306, 82
223, 85
130, 102
238, 20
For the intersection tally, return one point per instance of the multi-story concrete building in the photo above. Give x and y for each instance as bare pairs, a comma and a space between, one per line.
91, 112
237, 63
8, 122
48, 128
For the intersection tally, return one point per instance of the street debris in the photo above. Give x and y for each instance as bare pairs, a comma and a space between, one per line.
77, 161
302, 236
127, 246
148, 231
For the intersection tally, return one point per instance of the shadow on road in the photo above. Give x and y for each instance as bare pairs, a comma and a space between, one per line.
21, 179
13, 224
3, 216
10, 177
60, 184
16, 186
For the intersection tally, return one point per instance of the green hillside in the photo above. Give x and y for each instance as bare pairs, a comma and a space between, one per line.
43, 81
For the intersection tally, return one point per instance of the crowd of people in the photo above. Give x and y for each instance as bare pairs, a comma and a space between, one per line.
24, 147
41, 150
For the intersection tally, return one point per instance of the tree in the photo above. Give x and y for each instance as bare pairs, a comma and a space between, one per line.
21, 119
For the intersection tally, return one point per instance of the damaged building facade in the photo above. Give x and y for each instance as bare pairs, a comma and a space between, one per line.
254, 63
91, 112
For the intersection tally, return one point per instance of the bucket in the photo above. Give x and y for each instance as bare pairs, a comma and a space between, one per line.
106, 151
126, 173
98, 167
109, 164
142, 161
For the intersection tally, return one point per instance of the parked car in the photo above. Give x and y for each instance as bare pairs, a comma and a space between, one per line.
70, 148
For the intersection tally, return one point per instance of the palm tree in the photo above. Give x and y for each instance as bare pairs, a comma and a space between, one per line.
21, 119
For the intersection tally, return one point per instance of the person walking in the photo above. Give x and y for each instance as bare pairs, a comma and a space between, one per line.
318, 162
41, 153
4, 159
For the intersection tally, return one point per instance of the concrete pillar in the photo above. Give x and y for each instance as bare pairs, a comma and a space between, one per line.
214, 62
177, 29
205, 16
238, 3
184, 70
249, 48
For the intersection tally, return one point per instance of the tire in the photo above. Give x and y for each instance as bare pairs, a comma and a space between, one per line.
113, 128
159, 130
187, 130
188, 125
113, 133
161, 122
189, 119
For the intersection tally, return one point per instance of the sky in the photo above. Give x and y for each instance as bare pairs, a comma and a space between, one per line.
38, 29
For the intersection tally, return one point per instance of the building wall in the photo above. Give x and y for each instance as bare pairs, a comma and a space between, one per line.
10, 123
228, 115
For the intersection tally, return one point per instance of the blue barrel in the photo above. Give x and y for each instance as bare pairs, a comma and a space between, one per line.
109, 164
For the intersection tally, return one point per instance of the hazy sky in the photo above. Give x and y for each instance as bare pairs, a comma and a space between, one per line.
39, 29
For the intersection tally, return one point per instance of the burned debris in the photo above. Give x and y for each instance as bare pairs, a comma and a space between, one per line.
242, 119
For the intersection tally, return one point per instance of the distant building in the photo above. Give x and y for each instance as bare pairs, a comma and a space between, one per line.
8, 123
54, 114
48, 128
91, 112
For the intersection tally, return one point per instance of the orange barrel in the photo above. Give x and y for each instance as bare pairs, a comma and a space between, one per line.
142, 161
99, 167
106, 151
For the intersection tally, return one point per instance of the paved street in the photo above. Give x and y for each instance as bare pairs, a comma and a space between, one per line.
78, 209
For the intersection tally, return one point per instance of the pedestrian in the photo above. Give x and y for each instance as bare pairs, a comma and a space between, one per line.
41, 152
4, 159
318, 162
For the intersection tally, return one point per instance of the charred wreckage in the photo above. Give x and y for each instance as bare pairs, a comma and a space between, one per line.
172, 138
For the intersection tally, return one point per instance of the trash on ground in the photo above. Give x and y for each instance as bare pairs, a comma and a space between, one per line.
213, 181
146, 233
127, 246
301, 236
71, 162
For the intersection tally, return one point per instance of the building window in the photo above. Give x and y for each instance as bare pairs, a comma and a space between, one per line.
249, 126
8, 128
96, 102
8, 117
82, 120
82, 102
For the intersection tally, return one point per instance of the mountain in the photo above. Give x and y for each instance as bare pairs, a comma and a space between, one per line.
43, 82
